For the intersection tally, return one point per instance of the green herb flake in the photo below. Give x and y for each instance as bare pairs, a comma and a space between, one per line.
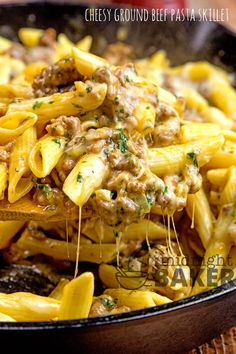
147, 107
165, 190
150, 199
122, 141
44, 188
122, 110
113, 195
108, 303
79, 178
66, 60
89, 89
57, 141
50, 102
37, 105
34, 179
193, 157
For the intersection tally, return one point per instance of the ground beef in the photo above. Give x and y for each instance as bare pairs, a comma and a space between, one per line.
64, 126
31, 55
119, 53
58, 77
48, 38
5, 151
167, 127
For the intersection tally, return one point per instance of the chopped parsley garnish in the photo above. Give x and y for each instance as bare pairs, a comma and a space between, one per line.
127, 78
165, 190
113, 195
37, 105
34, 179
50, 102
150, 199
193, 157
44, 188
79, 178
147, 107
110, 140
66, 60
108, 303
57, 141
89, 89
122, 141
122, 110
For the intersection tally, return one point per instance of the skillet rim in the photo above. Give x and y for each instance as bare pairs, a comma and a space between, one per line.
207, 296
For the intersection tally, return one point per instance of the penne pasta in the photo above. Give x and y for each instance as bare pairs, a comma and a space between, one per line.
145, 228
136, 299
87, 63
20, 178
58, 290
172, 159
77, 298
23, 306
61, 250
85, 43
30, 36
70, 103
145, 116
203, 222
113, 277
217, 176
3, 179
6, 318
216, 116
45, 155
8, 229
224, 157
5, 44
197, 131
80, 183
228, 194
210, 273
14, 124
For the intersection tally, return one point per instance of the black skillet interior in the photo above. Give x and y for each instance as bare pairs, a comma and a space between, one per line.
183, 41
172, 328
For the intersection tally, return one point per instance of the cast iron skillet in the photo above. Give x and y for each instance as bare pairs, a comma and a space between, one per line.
171, 328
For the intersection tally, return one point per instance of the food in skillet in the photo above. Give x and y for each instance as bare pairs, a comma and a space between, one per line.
123, 172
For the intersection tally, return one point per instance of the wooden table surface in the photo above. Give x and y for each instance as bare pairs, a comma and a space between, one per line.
224, 344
